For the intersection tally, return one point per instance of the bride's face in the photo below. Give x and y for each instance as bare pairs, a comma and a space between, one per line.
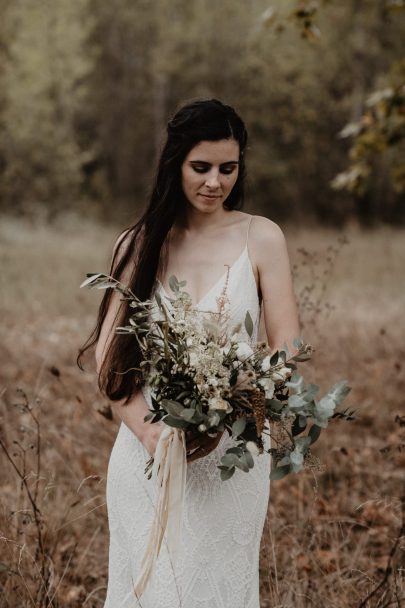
209, 173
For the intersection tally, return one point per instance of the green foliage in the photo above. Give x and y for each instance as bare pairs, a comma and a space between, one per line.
238, 427
249, 324
380, 132
87, 88
45, 76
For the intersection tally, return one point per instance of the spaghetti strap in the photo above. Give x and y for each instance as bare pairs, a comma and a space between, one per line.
247, 232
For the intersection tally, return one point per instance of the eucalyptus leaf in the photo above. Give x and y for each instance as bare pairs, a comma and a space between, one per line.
249, 459
314, 433
274, 358
297, 459
242, 464
177, 423
248, 462
299, 425
303, 443
238, 427
235, 450
249, 324
280, 472
173, 283
296, 382
155, 404
189, 414
91, 278
301, 358
233, 460
230, 460
227, 473
298, 401
274, 404
172, 407
158, 298
106, 285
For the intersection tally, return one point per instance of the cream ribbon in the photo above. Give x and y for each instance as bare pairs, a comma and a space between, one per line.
169, 470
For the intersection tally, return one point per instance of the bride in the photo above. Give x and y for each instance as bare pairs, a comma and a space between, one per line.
192, 228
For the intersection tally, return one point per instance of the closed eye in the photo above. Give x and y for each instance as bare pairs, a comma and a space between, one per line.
225, 169
228, 170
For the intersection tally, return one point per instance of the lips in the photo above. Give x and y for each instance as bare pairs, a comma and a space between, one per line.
210, 196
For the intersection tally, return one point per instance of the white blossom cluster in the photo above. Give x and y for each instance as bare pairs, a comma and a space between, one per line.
205, 358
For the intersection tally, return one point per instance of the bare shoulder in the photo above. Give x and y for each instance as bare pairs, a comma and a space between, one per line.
266, 237
121, 243
120, 249
268, 252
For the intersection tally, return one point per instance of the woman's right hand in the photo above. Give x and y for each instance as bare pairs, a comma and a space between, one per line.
152, 436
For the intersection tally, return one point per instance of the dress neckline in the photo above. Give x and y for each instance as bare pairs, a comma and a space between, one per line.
218, 282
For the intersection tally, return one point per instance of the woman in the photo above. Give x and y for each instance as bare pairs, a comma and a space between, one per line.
192, 228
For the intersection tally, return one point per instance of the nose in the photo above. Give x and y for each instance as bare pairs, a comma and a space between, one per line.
212, 180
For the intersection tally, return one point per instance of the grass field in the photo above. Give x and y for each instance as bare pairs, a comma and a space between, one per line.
331, 537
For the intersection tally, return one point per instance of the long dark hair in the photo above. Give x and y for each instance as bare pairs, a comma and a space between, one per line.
200, 120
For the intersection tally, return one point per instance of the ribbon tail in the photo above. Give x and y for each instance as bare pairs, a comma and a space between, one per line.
177, 490
169, 470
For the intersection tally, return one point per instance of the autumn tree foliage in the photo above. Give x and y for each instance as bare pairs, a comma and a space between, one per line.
86, 88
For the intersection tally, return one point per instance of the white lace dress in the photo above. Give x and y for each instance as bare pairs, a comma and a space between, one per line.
218, 564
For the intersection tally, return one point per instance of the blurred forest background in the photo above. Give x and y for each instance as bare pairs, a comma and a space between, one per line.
87, 87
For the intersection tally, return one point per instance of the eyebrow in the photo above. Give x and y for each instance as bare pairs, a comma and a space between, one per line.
204, 162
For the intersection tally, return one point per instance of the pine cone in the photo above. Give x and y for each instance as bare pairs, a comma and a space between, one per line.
258, 402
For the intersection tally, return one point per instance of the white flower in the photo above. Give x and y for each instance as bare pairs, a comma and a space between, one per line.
216, 403
266, 364
189, 341
281, 374
193, 359
243, 351
202, 428
268, 385
225, 349
252, 447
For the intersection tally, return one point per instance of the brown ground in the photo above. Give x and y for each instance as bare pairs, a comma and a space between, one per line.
329, 536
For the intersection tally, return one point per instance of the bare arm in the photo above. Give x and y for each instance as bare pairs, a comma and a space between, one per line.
133, 413
269, 249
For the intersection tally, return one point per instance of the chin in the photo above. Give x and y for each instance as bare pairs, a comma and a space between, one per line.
209, 208
206, 206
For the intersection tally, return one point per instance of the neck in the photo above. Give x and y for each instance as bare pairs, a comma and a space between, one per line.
195, 221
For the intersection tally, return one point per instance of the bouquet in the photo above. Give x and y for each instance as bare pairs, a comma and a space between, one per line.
203, 377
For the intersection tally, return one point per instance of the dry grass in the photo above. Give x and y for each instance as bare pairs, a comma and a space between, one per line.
328, 536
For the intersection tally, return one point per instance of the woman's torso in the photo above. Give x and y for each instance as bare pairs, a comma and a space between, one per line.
202, 259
